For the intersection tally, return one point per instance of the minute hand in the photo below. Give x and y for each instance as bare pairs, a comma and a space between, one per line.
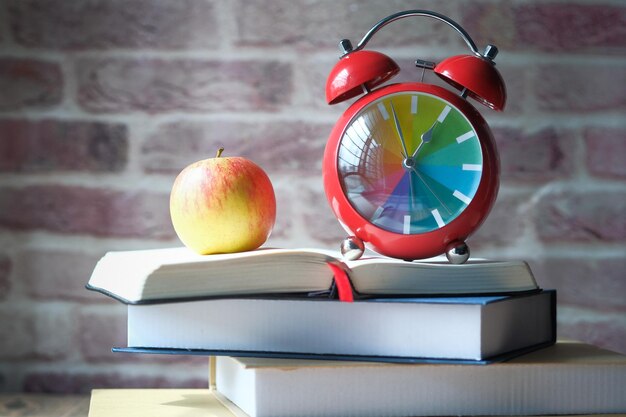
431, 190
399, 130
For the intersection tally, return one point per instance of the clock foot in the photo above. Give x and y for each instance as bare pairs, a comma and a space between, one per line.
457, 252
352, 248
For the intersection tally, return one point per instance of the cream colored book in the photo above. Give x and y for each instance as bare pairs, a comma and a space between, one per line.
157, 275
181, 403
566, 378
160, 403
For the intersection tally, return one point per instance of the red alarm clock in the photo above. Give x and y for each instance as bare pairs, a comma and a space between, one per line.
411, 169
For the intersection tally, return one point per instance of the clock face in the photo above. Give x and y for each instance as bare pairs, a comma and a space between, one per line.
409, 162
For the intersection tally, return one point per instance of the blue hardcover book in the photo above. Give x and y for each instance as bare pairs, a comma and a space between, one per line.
476, 330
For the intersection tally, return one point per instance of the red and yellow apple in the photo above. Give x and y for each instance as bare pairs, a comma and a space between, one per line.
223, 205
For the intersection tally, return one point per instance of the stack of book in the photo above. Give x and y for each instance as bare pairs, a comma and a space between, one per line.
386, 335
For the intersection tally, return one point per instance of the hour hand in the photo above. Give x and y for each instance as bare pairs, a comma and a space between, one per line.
426, 137
399, 130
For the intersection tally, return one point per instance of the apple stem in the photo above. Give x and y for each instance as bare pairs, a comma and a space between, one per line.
219, 152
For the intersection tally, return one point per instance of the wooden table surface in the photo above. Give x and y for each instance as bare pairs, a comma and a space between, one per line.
49, 405
44, 405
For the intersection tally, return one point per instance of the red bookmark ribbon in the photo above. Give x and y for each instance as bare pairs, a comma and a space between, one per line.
342, 283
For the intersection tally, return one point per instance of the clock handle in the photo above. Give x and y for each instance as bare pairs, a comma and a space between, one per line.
346, 46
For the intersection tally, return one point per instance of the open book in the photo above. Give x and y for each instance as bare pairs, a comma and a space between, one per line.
161, 275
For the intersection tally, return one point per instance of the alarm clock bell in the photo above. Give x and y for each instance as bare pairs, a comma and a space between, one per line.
359, 71
411, 169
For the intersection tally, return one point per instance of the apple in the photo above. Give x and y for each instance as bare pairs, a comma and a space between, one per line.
223, 205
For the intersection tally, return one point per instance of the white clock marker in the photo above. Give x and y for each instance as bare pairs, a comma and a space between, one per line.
378, 212
438, 218
443, 114
407, 225
472, 167
462, 197
414, 104
383, 111
465, 136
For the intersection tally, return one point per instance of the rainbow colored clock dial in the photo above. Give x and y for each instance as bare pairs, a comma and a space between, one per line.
410, 162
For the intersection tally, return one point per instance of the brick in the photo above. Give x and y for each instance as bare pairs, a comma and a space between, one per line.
60, 145
590, 283
103, 24
581, 88
29, 83
57, 275
490, 23
606, 331
81, 210
606, 152
68, 382
539, 155
581, 215
98, 332
54, 332
35, 332
548, 26
279, 147
572, 27
503, 226
285, 222
516, 82
17, 332
322, 23
159, 85
315, 70
319, 219
6, 267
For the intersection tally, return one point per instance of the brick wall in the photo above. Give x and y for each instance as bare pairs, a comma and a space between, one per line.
102, 102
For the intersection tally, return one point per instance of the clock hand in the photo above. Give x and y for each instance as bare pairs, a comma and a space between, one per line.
411, 201
431, 191
417, 149
398, 129
426, 137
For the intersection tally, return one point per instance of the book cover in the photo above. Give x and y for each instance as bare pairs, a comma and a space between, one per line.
457, 329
